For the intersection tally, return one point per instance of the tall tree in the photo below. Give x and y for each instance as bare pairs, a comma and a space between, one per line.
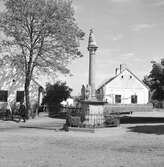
155, 81
42, 35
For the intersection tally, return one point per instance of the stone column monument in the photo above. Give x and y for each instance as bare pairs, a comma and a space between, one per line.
92, 47
92, 107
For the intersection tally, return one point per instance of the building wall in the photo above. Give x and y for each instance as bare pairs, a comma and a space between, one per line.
13, 87
12, 81
126, 85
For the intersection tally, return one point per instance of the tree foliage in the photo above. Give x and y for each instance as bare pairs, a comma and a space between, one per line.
155, 81
55, 94
42, 36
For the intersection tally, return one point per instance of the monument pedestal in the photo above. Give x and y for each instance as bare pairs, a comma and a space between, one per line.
94, 112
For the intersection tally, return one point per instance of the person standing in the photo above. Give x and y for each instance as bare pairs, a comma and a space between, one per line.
22, 112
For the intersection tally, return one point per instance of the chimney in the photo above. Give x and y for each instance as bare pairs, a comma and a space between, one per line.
120, 68
116, 71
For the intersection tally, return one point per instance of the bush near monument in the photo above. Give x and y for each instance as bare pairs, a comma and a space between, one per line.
55, 94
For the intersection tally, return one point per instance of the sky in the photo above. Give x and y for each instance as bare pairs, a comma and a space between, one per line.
127, 32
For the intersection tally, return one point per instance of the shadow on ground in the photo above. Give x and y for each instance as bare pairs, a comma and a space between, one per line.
139, 120
148, 129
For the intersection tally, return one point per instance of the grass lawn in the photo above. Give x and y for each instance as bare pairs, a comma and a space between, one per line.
130, 145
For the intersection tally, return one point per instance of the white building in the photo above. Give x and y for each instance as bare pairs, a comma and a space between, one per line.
124, 88
12, 87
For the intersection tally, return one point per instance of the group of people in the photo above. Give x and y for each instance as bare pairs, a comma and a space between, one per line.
19, 110
23, 113
9, 112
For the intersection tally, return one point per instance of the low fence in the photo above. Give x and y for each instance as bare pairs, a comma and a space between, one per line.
95, 120
85, 118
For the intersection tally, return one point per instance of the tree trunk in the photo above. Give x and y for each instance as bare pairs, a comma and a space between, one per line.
27, 97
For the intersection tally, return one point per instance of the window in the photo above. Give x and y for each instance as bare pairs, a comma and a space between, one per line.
134, 99
3, 95
117, 98
20, 96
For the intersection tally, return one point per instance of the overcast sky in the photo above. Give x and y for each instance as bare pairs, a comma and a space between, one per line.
127, 32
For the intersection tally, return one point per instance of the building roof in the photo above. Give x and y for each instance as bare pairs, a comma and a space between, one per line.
106, 82
111, 79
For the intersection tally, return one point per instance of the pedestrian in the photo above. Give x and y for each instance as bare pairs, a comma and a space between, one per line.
22, 112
